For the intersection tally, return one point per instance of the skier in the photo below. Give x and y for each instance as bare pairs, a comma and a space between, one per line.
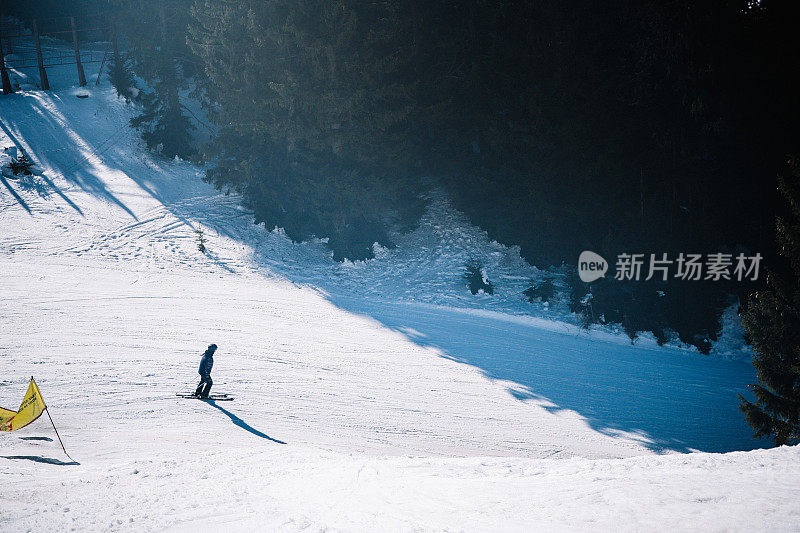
206, 362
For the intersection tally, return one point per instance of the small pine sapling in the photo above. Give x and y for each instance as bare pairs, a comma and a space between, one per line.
22, 165
542, 291
201, 240
476, 278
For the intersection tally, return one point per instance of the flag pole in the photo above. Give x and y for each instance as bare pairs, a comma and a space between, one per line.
57, 435
47, 410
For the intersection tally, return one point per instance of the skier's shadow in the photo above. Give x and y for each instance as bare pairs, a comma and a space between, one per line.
244, 425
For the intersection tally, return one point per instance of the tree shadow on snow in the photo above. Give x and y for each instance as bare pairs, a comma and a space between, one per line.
16, 196
665, 399
37, 459
242, 424
76, 158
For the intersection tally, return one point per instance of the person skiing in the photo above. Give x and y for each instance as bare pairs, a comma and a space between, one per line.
206, 363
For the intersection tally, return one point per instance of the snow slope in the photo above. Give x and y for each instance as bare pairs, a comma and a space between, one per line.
371, 396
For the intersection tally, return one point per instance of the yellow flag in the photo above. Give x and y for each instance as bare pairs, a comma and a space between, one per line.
31, 408
6, 415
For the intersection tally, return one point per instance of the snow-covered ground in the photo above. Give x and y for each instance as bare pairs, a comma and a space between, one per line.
379, 395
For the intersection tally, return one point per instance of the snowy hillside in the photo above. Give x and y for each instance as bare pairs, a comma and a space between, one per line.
379, 395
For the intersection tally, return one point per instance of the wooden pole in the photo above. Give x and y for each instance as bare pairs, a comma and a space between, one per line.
102, 62
42, 72
7, 89
81, 75
10, 42
163, 25
113, 40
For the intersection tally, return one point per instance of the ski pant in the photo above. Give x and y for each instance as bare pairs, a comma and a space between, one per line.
204, 387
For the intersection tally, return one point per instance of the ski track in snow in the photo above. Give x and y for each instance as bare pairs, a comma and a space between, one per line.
376, 395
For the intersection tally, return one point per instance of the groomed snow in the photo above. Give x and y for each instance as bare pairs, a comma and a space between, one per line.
371, 396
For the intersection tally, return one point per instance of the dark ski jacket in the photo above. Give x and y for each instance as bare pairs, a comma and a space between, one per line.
205, 364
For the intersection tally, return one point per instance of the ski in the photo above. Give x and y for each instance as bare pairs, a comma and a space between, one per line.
216, 397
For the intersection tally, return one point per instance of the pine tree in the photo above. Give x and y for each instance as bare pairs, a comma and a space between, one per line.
157, 31
164, 127
121, 76
772, 322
